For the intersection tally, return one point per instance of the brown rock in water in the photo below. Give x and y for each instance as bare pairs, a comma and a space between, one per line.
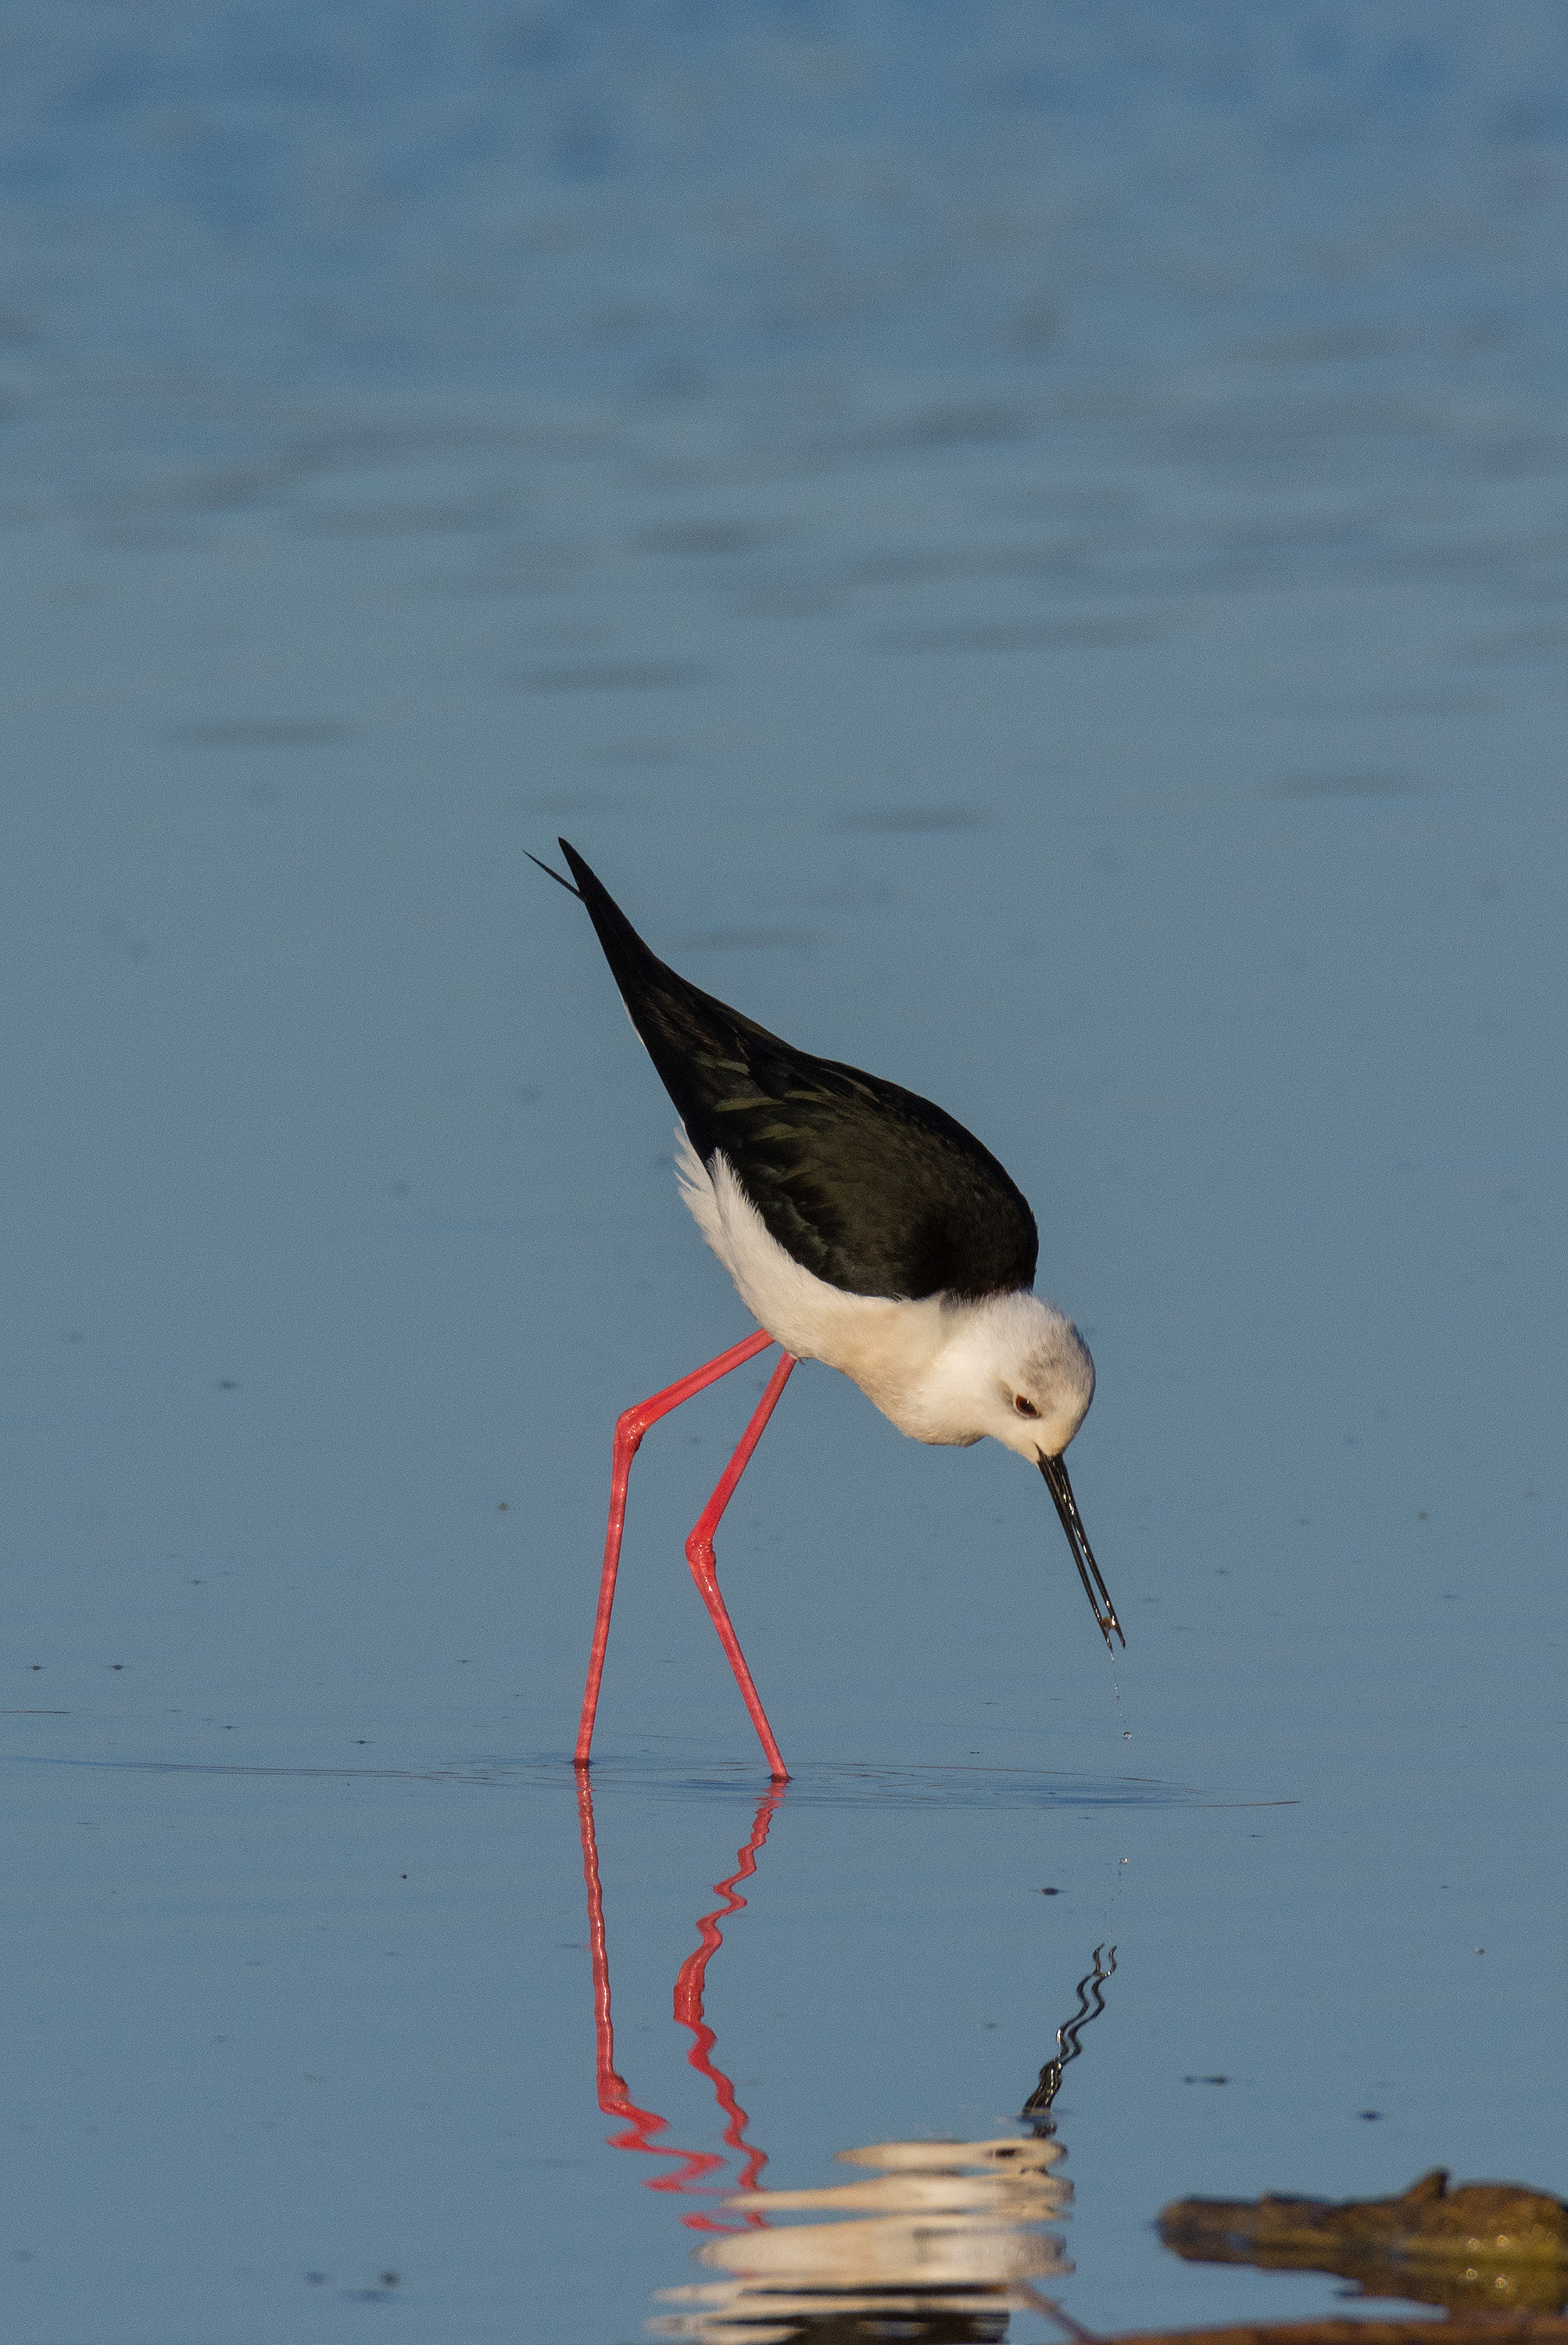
1465, 2328
1492, 2243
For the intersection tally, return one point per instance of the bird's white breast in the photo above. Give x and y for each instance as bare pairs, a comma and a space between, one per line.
891, 1348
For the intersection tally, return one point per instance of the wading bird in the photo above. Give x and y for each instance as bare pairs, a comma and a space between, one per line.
863, 1227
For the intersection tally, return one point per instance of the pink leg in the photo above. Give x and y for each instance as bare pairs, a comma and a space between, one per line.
629, 1431
699, 1555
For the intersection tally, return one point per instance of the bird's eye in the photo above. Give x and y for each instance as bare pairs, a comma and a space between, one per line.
1024, 1407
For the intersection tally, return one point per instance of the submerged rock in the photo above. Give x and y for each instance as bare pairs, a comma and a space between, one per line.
1494, 2242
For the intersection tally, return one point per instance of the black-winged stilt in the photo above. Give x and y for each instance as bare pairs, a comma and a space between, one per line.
863, 1227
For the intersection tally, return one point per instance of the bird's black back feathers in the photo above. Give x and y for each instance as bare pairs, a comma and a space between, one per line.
867, 1185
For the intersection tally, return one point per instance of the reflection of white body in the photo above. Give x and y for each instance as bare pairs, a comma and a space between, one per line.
953, 2222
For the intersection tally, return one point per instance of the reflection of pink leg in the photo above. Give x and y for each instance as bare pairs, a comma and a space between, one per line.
614, 2098
689, 1987
699, 1555
629, 1431
692, 2168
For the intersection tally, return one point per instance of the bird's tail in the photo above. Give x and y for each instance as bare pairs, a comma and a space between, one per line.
695, 1041
633, 964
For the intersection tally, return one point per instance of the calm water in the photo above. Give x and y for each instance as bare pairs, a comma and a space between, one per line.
1032, 553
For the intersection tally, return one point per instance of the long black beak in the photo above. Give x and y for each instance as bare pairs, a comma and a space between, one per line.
1056, 1472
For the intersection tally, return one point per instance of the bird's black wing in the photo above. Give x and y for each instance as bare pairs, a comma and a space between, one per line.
867, 1185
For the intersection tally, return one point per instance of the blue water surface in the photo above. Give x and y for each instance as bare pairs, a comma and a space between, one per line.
1029, 546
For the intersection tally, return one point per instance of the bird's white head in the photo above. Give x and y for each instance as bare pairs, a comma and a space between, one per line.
1016, 1368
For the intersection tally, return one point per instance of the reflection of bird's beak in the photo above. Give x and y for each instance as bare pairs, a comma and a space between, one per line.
1056, 1472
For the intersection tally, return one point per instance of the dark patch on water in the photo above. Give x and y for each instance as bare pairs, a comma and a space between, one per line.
265, 733
1350, 785
610, 675
1108, 633
1548, 640
702, 538
950, 424
941, 566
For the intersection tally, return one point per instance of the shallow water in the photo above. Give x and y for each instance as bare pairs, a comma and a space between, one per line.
1033, 555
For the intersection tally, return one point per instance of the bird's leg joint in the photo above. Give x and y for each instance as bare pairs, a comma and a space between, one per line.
630, 1427
700, 1556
